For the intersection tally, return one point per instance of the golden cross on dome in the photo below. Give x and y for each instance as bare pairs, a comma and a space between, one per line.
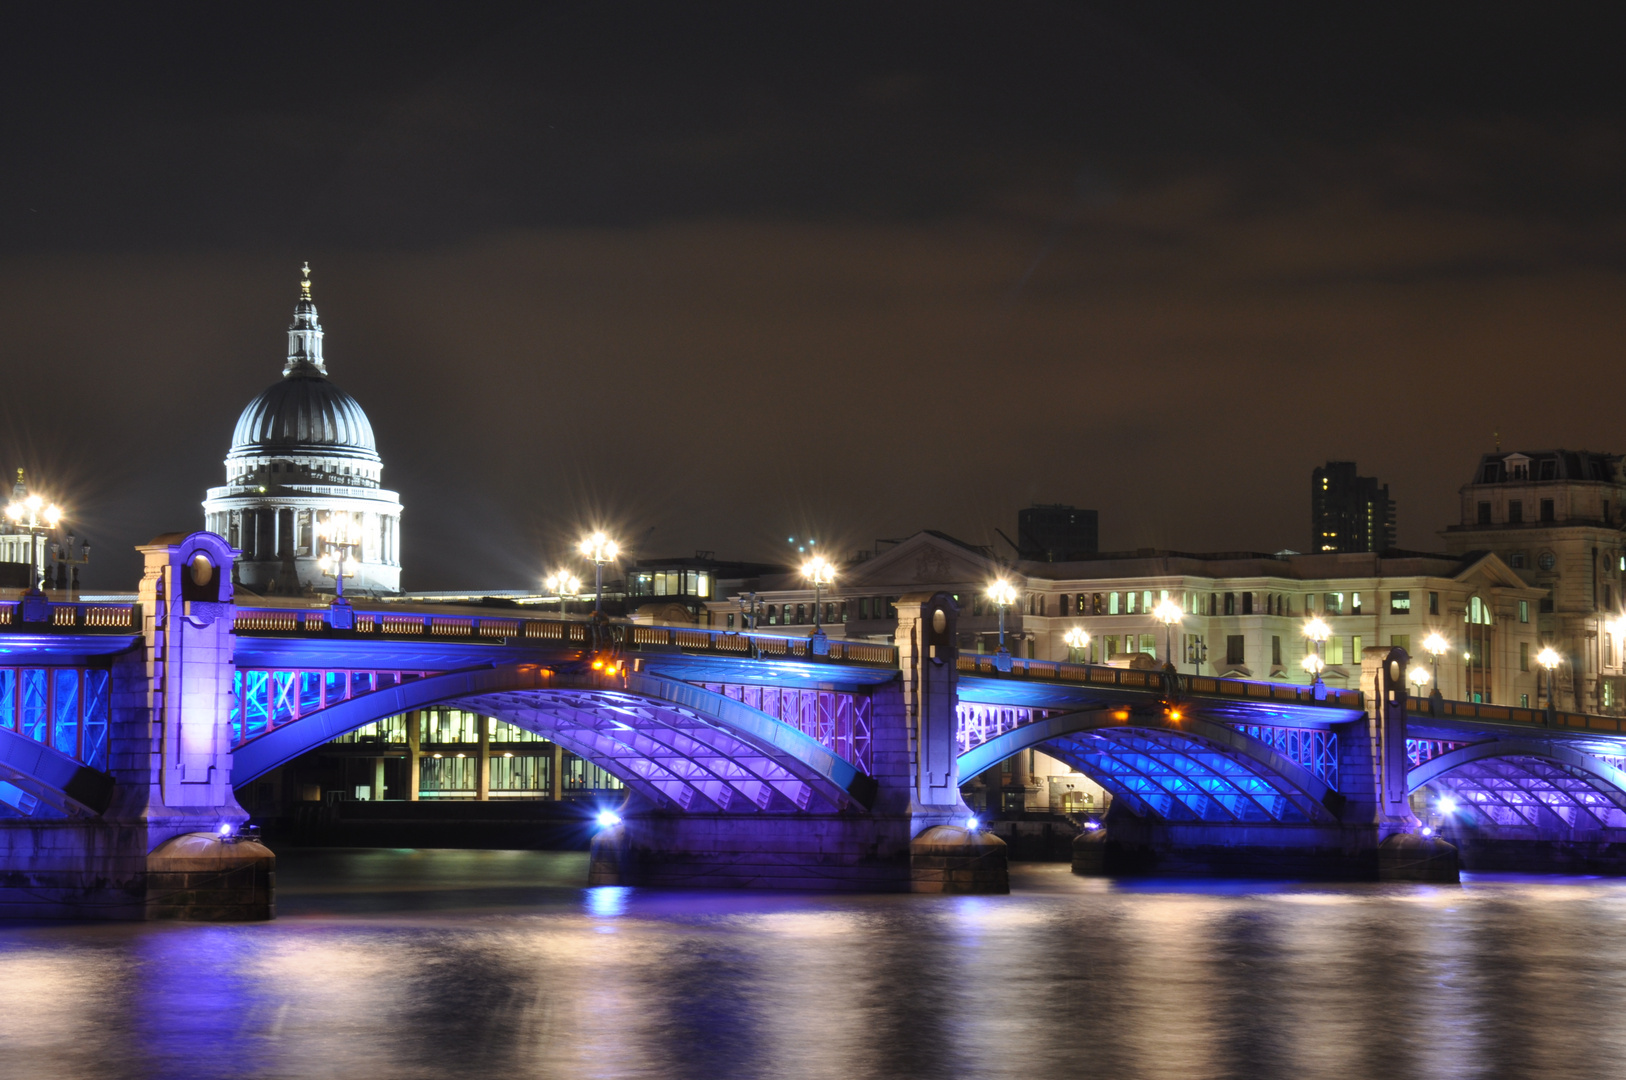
305, 285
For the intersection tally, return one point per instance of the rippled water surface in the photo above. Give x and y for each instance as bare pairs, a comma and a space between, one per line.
495, 964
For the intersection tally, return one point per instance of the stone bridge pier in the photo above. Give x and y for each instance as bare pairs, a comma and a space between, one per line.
903, 828
161, 840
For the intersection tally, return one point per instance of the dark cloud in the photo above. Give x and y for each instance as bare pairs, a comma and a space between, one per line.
714, 274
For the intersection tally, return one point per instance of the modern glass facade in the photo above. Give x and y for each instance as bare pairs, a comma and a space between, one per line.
449, 751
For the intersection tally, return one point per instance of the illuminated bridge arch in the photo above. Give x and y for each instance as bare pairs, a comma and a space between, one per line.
1527, 783
1189, 769
680, 746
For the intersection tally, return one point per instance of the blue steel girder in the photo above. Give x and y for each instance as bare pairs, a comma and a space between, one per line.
1528, 783
50, 777
1190, 769
679, 745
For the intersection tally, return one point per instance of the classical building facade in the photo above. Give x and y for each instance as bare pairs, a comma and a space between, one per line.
303, 462
1242, 614
1555, 517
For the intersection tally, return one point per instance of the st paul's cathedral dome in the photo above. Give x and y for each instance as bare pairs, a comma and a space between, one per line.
303, 463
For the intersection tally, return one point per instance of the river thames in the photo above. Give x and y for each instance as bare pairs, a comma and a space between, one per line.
407, 964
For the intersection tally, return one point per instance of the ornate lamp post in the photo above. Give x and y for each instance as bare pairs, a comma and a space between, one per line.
750, 606
1549, 659
34, 516
1318, 632
559, 583
1002, 594
821, 572
1436, 646
1168, 613
1419, 678
340, 537
63, 556
1077, 639
600, 549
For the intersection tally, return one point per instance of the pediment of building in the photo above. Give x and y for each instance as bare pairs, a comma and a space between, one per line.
923, 560
1490, 572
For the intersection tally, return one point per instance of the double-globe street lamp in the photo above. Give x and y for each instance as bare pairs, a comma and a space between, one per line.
38, 518
340, 536
1548, 658
1318, 632
1436, 646
561, 583
1077, 639
1169, 614
600, 549
821, 572
1003, 594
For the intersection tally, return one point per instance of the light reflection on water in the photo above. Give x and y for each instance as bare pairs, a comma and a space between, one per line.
408, 964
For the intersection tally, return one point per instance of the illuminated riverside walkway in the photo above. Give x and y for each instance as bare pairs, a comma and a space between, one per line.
750, 760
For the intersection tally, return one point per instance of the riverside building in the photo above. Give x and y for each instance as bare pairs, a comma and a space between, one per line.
1243, 614
1555, 517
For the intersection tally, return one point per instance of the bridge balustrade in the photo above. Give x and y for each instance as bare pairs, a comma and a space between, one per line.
1152, 679
65, 708
75, 616
510, 628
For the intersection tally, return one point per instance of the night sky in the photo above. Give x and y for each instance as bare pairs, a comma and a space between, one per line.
712, 275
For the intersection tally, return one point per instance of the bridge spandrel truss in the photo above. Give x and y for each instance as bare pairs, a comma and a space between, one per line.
1532, 792
65, 708
668, 752
839, 720
268, 698
1313, 748
1421, 750
1177, 778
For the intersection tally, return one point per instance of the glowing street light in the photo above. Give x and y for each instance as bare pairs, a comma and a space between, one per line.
1419, 678
1549, 659
1003, 595
1318, 632
35, 516
600, 549
340, 537
559, 583
821, 572
1436, 646
1168, 613
1077, 639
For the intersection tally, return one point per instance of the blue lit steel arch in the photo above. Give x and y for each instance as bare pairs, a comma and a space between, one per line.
679, 745
39, 775
1189, 769
1528, 783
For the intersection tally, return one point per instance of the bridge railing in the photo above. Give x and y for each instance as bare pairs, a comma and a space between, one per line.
1418, 709
1152, 679
43, 616
513, 629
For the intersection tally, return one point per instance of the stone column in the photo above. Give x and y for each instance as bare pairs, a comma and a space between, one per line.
482, 776
556, 774
414, 723
949, 852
